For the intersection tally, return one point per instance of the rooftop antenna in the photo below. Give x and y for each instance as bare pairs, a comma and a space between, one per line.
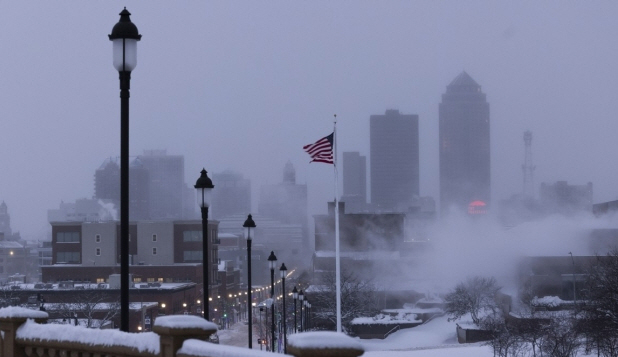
528, 167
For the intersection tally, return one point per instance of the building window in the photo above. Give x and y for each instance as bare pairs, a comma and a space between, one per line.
154, 237
137, 280
160, 280
192, 255
98, 252
154, 250
97, 238
192, 236
68, 257
67, 237
150, 280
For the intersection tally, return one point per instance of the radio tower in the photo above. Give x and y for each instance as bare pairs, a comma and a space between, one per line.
528, 167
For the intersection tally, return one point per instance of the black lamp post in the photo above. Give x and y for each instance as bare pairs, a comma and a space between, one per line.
295, 296
284, 271
301, 297
272, 260
124, 37
248, 225
203, 187
308, 315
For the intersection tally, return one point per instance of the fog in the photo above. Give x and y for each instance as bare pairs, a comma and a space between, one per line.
244, 85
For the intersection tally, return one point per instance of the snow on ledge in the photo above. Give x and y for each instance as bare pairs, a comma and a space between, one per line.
143, 342
323, 340
15, 311
184, 321
205, 349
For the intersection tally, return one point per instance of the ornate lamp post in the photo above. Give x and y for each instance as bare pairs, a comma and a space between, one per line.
124, 37
295, 296
248, 225
203, 187
306, 317
272, 260
284, 271
301, 297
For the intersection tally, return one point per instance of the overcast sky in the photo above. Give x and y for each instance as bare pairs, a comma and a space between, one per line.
245, 84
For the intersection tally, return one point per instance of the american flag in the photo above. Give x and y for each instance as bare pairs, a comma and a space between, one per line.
321, 150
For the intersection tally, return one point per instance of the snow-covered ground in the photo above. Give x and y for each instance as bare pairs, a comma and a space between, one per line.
435, 338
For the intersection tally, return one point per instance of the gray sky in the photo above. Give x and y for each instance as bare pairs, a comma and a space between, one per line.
245, 84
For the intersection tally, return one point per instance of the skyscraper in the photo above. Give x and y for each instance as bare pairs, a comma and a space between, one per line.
167, 182
231, 196
354, 181
394, 150
464, 145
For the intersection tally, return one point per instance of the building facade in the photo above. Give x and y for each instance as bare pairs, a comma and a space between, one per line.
354, 181
464, 145
394, 150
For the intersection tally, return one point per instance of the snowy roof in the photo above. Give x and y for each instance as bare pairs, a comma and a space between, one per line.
15, 311
324, 340
184, 321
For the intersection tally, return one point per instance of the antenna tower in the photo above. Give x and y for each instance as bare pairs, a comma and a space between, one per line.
528, 167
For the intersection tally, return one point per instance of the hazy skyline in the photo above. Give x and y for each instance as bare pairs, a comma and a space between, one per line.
244, 85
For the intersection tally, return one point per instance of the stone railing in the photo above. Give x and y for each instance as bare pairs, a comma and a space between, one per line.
25, 334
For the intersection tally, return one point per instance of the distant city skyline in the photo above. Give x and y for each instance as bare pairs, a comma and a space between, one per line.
246, 84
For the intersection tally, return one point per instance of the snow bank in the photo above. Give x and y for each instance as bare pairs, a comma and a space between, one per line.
201, 348
15, 311
143, 342
184, 321
323, 340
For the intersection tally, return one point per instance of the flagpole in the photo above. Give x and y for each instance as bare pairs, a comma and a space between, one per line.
337, 260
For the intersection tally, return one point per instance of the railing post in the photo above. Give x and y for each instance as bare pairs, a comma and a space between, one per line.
173, 330
10, 320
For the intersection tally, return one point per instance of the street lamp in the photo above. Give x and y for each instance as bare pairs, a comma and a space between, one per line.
124, 38
284, 271
295, 296
301, 297
272, 260
306, 317
203, 187
249, 223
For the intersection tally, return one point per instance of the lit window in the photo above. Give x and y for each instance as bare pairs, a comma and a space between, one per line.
160, 280
137, 280
97, 238
154, 237
154, 250
100, 280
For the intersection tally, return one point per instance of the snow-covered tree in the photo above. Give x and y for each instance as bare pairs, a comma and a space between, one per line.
475, 296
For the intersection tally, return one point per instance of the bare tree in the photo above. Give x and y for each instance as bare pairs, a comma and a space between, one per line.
358, 298
475, 296
562, 337
92, 305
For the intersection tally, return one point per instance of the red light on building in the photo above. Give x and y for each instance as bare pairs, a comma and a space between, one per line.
477, 207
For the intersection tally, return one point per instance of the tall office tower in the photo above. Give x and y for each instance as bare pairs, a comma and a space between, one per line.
139, 191
464, 146
167, 180
107, 181
286, 202
107, 187
354, 182
394, 160
231, 196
